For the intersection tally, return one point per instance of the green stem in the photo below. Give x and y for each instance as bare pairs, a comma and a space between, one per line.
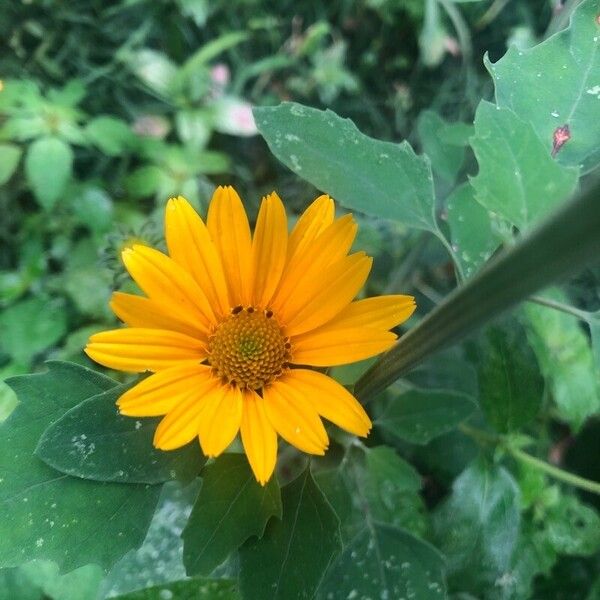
566, 477
484, 438
461, 28
570, 310
460, 275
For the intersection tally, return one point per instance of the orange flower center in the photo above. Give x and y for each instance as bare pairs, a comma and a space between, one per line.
248, 348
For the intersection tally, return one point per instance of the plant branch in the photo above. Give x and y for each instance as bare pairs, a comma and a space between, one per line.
565, 308
557, 473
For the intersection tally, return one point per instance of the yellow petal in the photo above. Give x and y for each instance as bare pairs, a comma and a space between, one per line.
220, 419
306, 272
136, 349
137, 311
259, 437
191, 246
381, 312
294, 417
340, 284
228, 226
165, 282
269, 248
161, 392
180, 426
331, 400
328, 346
316, 218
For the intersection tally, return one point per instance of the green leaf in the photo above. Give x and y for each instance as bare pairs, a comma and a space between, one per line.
144, 181
111, 135
139, 568
8, 401
40, 580
30, 326
155, 69
53, 516
473, 237
391, 488
93, 441
451, 370
10, 155
385, 562
196, 588
566, 360
518, 179
94, 208
290, 559
510, 383
48, 166
418, 416
378, 178
555, 84
572, 527
477, 528
231, 507
446, 158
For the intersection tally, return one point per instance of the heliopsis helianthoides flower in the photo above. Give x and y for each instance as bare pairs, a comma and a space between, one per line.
231, 325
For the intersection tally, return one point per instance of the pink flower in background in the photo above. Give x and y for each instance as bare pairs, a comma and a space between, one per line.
220, 74
234, 116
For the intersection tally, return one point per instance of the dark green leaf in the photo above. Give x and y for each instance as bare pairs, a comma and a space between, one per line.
378, 178
556, 84
446, 158
566, 360
93, 441
477, 528
289, 561
48, 166
510, 383
196, 588
385, 562
231, 507
518, 179
53, 516
473, 236
418, 416
10, 154
449, 371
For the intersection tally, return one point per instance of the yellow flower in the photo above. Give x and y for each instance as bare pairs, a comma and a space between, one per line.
231, 322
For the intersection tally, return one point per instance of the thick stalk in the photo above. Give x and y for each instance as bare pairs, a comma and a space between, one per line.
560, 246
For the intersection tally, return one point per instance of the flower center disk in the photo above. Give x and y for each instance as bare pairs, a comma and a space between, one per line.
248, 348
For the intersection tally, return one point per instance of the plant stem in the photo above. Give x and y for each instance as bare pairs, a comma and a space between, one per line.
570, 310
486, 438
570, 478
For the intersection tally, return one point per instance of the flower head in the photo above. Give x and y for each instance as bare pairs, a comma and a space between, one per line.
231, 323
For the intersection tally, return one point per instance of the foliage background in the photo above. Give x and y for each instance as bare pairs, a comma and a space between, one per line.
107, 109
